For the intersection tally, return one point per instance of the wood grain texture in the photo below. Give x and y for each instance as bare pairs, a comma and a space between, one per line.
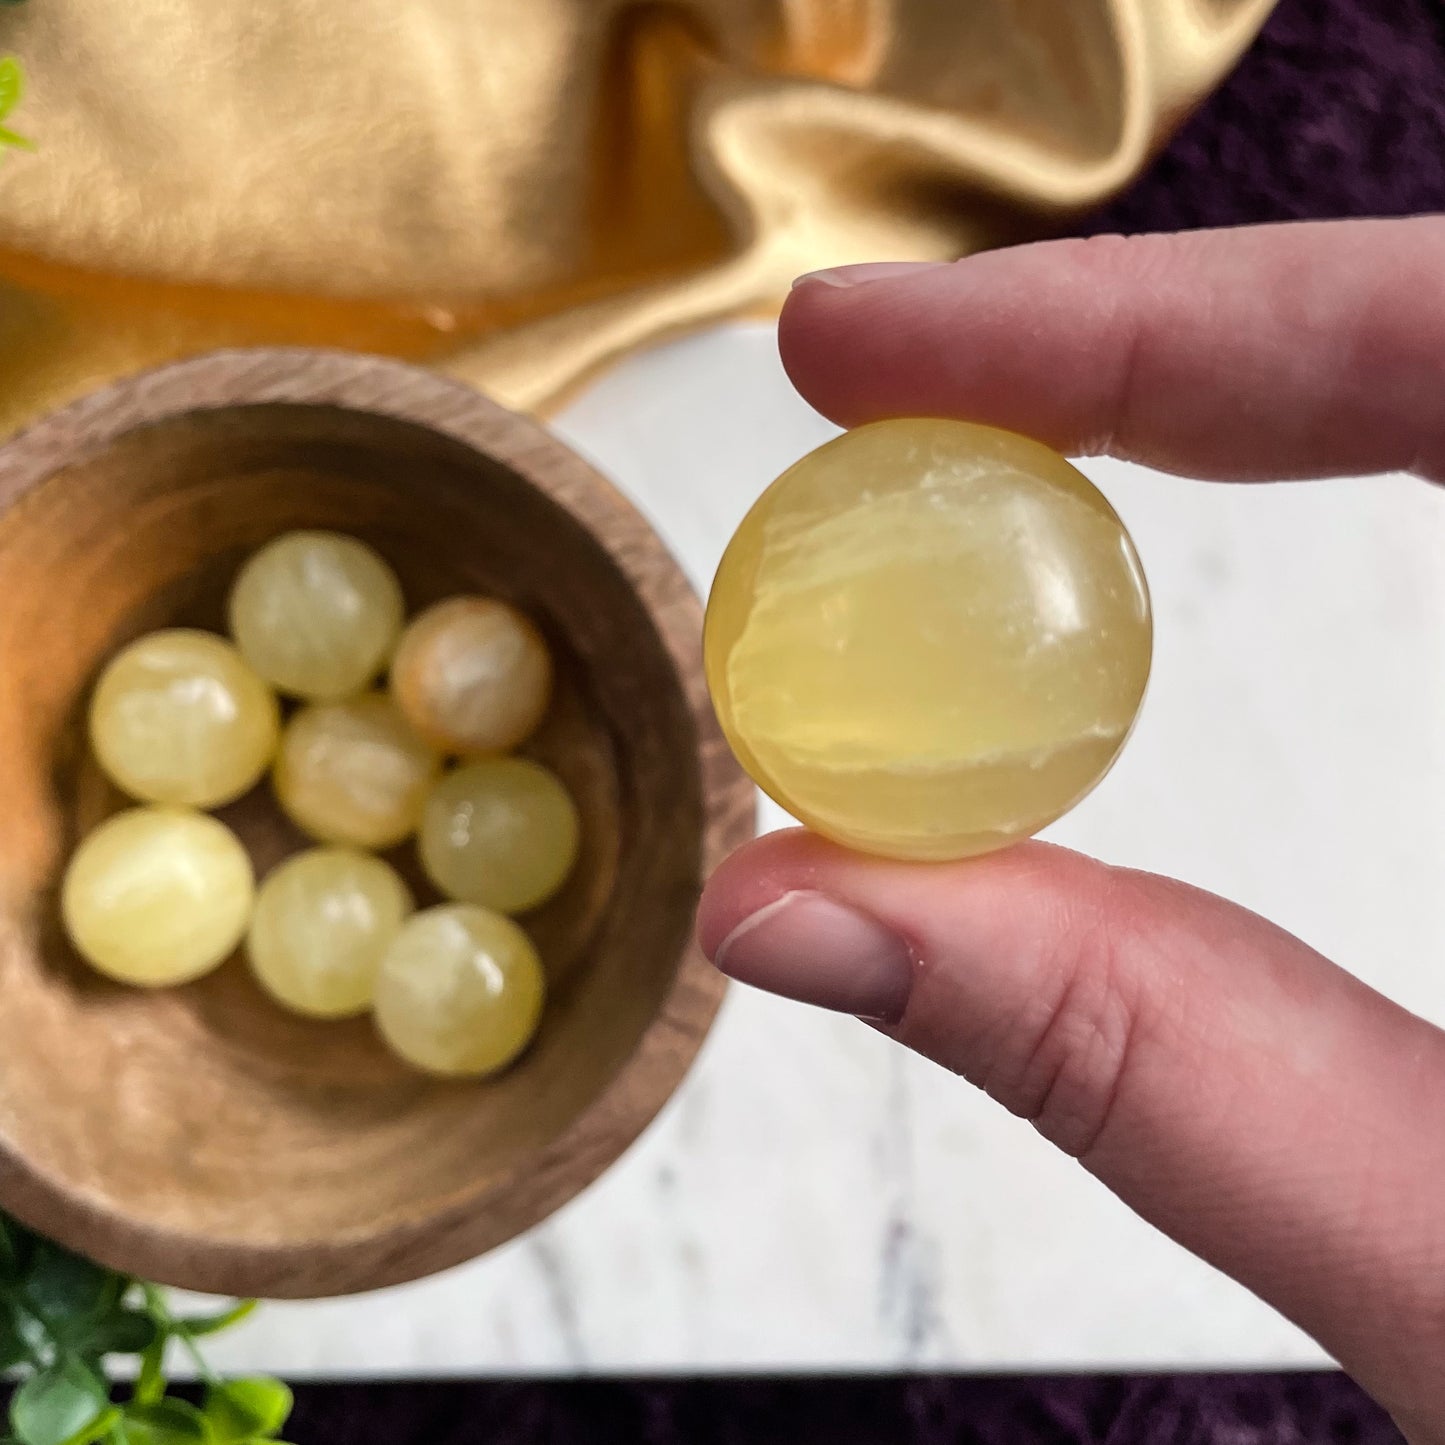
200, 1136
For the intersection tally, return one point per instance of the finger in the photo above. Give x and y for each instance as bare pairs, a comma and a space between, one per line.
1255, 1102
1272, 351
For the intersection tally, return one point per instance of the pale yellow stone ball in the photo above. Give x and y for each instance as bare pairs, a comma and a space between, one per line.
472, 675
321, 924
501, 832
928, 639
317, 614
157, 896
180, 717
460, 991
354, 772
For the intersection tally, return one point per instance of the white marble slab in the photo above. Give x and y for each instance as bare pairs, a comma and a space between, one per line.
814, 1199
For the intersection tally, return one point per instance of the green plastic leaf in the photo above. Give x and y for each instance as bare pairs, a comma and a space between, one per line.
121, 1332
167, 1422
29, 1330
16, 141
55, 1406
62, 1286
12, 1346
246, 1410
98, 1430
150, 1383
198, 1325
12, 84
16, 1245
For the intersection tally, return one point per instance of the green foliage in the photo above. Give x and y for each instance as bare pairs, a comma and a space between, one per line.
59, 1403
168, 1422
12, 87
61, 1316
242, 1410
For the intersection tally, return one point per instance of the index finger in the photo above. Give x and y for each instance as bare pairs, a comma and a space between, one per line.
1266, 352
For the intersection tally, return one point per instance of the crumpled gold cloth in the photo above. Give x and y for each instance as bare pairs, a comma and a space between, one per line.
519, 191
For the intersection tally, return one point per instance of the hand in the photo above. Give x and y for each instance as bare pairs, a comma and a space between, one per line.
1258, 1104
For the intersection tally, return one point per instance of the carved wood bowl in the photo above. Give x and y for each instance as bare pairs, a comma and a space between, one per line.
200, 1136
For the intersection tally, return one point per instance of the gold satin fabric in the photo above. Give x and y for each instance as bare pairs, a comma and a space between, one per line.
519, 191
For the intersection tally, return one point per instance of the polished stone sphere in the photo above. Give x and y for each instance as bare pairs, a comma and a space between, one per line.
460, 991
157, 896
929, 639
317, 614
180, 717
472, 675
322, 921
353, 772
502, 832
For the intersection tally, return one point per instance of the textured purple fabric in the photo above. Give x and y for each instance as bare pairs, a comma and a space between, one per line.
1338, 110
1302, 1409
1299, 1409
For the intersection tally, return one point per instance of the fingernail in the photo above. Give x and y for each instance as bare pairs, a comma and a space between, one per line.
810, 948
867, 271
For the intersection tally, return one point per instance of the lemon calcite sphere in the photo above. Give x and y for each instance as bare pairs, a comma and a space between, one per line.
353, 772
460, 991
929, 639
502, 832
321, 924
472, 675
180, 717
157, 896
317, 614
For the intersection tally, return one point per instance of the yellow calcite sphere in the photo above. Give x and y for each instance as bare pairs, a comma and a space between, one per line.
317, 614
180, 717
460, 991
928, 639
502, 832
354, 772
321, 924
472, 675
157, 896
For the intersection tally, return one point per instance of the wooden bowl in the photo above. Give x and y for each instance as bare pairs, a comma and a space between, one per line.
201, 1136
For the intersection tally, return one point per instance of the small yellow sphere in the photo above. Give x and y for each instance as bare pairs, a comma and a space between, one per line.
473, 675
928, 639
321, 924
179, 717
460, 991
317, 614
502, 832
353, 772
157, 896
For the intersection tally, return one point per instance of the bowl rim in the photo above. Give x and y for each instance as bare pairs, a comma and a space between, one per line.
473, 1220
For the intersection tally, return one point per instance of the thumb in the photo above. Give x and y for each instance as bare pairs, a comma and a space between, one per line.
1255, 1102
